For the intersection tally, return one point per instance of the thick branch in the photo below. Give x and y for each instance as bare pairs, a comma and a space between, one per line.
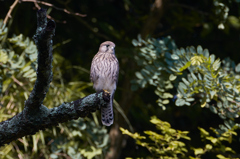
27, 124
36, 116
43, 40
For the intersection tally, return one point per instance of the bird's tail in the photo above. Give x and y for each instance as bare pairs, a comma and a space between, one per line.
107, 113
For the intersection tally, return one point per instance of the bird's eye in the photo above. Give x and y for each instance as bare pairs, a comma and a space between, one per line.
107, 45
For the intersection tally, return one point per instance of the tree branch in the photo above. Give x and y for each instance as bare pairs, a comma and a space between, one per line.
57, 8
26, 123
43, 40
35, 116
9, 13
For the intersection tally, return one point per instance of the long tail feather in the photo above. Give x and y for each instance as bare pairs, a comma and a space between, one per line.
107, 113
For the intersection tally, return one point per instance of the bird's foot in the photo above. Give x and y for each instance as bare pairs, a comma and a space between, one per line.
106, 91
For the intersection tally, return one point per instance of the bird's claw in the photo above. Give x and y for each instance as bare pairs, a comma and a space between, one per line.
106, 91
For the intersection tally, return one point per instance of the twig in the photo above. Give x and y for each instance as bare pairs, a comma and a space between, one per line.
9, 12
17, 148
17, 81
48, 16
88, 26
51, 5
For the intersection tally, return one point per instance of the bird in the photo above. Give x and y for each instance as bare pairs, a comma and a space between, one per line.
104, 76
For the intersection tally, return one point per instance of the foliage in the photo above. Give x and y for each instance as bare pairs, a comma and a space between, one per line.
216, 145
154, 57
168, 144
189, 75
18, 73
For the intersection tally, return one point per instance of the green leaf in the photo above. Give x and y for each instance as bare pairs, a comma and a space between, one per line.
183, 51
182, 85
172, 77
212, 58
165, 101
221, 157
216, 64
175, 57
3, 56
206, 53
208, 147
188, 64
190, 99
213, 109
135, 42
212, 139
185, 81
139, 75
229, 149
204, 101
237, 68
54, 156
192, 49
180, 102
212, 93
168, 55
91, 153
135, 135
203, 131
194, 77
167, 95
199, 49
198, 151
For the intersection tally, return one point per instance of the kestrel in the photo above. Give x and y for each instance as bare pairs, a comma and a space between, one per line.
104, 75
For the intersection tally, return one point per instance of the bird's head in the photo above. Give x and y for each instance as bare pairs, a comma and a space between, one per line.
107, 47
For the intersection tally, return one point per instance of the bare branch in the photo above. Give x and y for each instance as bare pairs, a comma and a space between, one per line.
51, 5
48, 16
43, 40
28, 123
9, 12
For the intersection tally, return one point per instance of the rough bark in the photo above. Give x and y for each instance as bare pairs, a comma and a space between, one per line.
43, 40
35, 116
29, 122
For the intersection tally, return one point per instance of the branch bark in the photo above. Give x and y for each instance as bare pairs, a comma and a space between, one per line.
35, 116
29, 122
43, 40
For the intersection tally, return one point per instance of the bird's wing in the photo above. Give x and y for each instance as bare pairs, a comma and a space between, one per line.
115, 70
94, 69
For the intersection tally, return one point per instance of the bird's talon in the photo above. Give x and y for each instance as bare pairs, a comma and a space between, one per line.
106, 91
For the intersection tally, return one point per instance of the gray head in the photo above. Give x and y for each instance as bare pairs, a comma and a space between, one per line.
107, 47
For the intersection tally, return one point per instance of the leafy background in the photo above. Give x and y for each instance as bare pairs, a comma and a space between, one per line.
180, 73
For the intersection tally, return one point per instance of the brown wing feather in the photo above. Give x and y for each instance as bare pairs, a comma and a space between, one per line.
94, 69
